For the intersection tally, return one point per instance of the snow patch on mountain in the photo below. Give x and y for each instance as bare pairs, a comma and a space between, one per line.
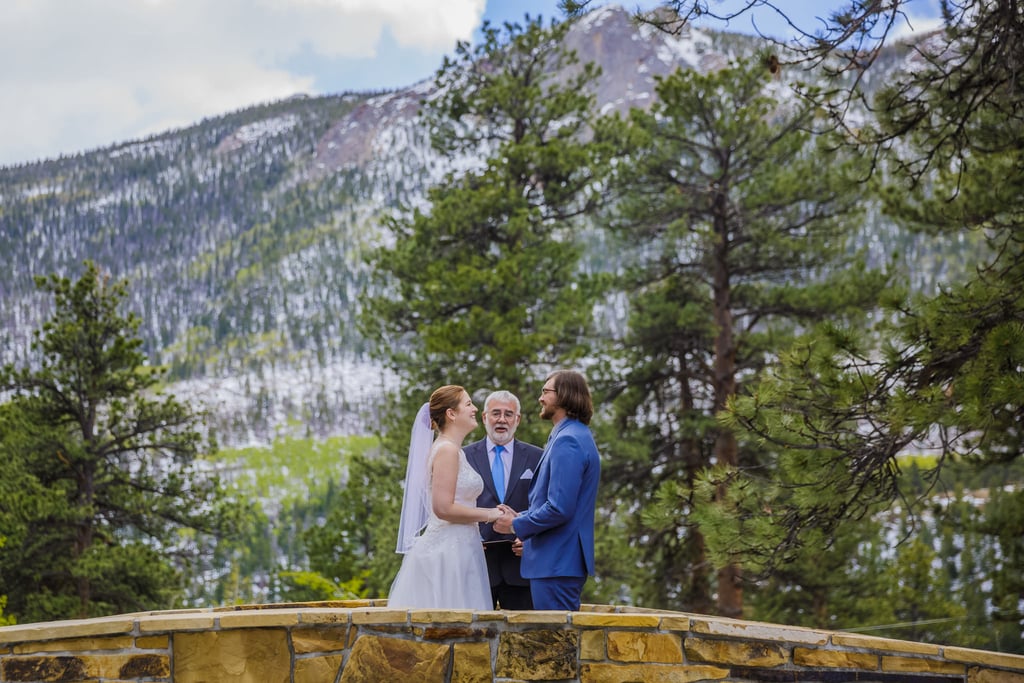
252, 133
254, 407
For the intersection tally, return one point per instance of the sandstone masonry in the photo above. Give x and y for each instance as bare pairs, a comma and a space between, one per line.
365, 641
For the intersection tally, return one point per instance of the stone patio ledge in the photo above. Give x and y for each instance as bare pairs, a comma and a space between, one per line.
366, 640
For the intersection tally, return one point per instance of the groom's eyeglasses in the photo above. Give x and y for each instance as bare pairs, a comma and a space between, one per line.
507, 414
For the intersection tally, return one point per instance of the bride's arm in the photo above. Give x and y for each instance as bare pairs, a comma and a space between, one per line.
445, 473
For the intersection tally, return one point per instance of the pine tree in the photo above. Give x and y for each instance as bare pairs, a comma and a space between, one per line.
483, 287
739, 221
355, 543
4, 620
971, 576
837, 583
1003, 524
943, 371
111, 468
924, 611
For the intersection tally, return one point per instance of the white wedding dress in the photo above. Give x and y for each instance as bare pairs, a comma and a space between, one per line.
445, 568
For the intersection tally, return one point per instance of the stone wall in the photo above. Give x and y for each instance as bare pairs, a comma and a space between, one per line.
363, 641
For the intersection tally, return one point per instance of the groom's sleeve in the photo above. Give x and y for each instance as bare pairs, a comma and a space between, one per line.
566, 461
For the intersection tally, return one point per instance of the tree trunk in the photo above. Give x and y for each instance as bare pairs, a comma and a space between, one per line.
730, 589
697, 597
84, 538
730, 577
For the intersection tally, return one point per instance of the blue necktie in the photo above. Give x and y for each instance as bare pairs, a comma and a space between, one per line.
498, 472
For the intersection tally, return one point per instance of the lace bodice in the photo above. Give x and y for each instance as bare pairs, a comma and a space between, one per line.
468, 485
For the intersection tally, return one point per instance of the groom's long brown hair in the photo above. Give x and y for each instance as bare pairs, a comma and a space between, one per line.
573, 394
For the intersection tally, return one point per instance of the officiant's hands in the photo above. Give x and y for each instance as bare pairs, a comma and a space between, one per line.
503, 525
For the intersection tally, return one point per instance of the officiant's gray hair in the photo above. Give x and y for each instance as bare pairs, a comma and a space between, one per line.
502, 395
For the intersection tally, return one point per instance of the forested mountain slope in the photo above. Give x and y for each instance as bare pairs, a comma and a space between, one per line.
243, 235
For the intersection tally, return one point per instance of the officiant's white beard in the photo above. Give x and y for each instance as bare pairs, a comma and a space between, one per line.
500, 434
501, 430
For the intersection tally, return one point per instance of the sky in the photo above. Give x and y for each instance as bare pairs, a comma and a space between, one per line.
85, 74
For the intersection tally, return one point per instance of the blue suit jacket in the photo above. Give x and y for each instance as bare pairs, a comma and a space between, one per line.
558, 529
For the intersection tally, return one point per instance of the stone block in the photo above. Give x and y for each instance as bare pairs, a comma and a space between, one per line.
649, 673
318, 669
355, 604
733, 652
838, 659
978, 674
490, 615
919, 664
592, 645
56, 668
452, 632
325, 616
619, 620
73, 628
319, 639
250, 655
638, 646
546, 617
375, 615
429, 616
259, 618
85, 667
76, 645
674, 624
144, 667
176, 622
377, 658
383, 630
471, 663
153, 642
537, 655
883, 644
752, 630
991, 659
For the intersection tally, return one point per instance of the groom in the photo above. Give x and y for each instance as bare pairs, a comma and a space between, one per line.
507, 466
558, 528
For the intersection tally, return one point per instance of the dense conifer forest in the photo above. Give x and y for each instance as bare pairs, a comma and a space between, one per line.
805, 349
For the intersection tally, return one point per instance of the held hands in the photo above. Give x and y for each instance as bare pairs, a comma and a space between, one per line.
503, 525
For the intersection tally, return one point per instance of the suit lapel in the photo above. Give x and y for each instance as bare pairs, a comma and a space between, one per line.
542, 474
555, 431
518, 467
478, 458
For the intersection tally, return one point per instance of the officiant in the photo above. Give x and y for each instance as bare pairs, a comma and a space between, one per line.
507, 466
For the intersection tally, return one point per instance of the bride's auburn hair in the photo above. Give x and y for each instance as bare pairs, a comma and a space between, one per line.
443, 398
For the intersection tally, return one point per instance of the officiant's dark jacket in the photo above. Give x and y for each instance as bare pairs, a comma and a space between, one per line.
502, 565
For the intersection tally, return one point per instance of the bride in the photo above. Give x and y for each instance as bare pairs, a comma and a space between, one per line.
444, 567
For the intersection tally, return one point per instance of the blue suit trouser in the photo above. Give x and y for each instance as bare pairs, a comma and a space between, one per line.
557, 592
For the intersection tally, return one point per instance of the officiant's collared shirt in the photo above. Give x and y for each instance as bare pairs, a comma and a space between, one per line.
506, 460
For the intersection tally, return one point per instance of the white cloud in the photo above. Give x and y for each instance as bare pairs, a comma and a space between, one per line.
911, 25
414, 23
88, 73
80, 74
